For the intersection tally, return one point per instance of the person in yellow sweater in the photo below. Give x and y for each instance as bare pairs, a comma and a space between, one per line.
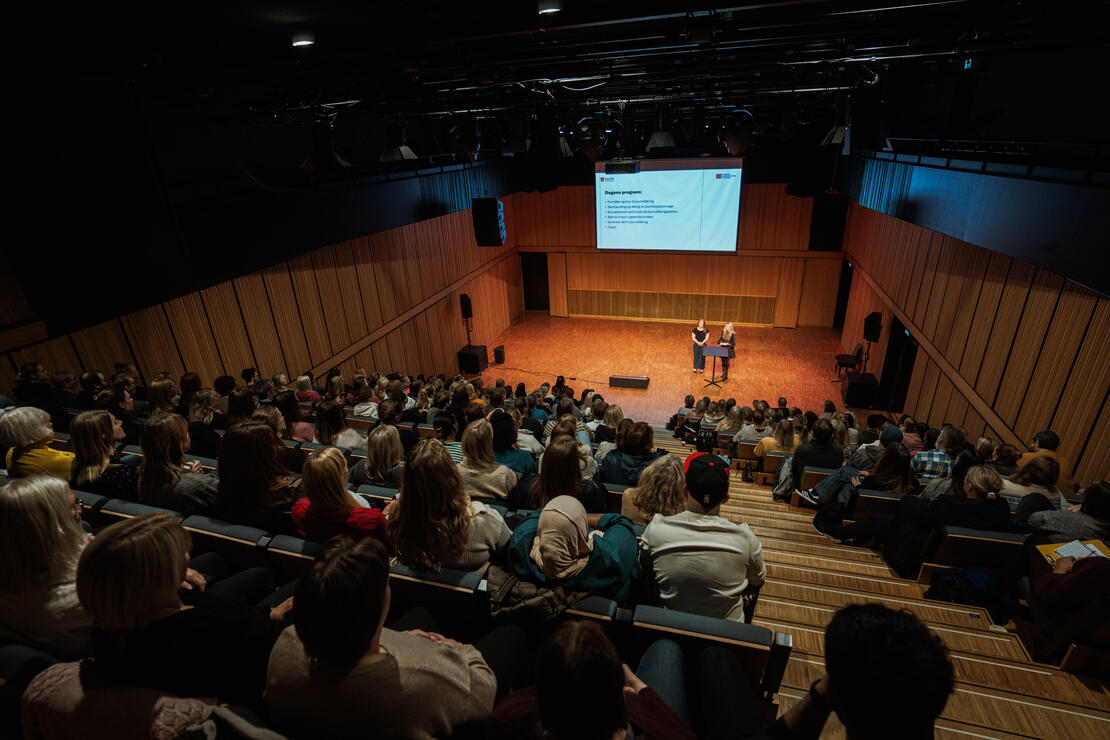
28, 432
1045, 443
783, 439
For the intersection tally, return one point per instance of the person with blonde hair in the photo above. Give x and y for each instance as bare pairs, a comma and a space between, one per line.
27, 431
483, 477
564, 546
94, 436
332, 429
204, 419
40, 541
144, 635
433, 523
661, 490
727, 340
160, 397
328, 508
732, 423
782, 440
382, 465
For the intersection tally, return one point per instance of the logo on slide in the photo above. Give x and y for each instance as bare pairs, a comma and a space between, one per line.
724, 176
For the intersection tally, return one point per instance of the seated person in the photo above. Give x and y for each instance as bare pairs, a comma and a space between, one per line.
661, 490
305, 393
819, 452
382, 465
241, 403
366, 405
291, 458
755, 431
1090, 521
564, 427
339, 673
566, 407
687, 407
633, 454
28, 432
482, 475
561, 475
119, 400
1005, 460
783, 440
447, 433
583, 691
714, 415
1039, 475
389, 414
92, 383
332, 430
160, 397
96, 466
910, 438
145, 636
1045, 444
701, 562
328, 508
559, 546
892, 474
525, 439
937, 462
166, 479
296, 428
434, 524
40, 541
204, 419
254, 489
867, 454
505, 450
732, 423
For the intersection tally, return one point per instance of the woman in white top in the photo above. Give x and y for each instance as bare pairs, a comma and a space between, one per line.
433, 523
40, 542
483, 477
332, 429
1039, 475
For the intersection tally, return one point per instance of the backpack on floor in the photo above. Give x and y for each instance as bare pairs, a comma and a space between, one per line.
747, 475
783, 488
706, 440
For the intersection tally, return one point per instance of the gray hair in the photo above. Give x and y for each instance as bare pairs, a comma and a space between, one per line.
24, 426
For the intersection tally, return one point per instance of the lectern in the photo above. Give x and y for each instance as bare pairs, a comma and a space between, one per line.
714, 352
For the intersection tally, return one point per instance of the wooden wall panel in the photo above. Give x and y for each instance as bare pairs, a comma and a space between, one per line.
819, 289
386, 247
363, 256
230, 334
100, 347
54, 354
349, 290
152, 342
789, 296
863, 301
1005, 347
286, 313
308, 320
771, 219
557, 283
189, 322
332, 298
564, 217
258, 319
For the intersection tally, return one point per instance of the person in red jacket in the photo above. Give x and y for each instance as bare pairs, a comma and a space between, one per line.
328, 508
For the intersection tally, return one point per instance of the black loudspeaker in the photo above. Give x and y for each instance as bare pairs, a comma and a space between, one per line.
826, 228
488, 215
473, 359
873, 326
628, 381
499, 355
860, 390
464, 304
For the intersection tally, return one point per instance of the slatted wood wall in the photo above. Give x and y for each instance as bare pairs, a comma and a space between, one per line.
387, 301
770, 280
1005, 347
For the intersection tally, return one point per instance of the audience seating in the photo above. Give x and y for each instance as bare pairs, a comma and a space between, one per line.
117, 509
378, 496
615, 495
960, 547
292, 555
240, 545
809, 479
457, 595
594, 607
863, 503
772, 461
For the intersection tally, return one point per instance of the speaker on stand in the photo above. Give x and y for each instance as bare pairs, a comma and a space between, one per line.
861, 389
472, 359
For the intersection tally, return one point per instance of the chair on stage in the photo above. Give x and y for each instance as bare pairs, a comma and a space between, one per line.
851, 361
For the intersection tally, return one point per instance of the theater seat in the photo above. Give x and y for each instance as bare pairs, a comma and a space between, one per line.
292, 555
240, 545
594, 607
116, 510
962, 546
378, 496
18, 665
455, 597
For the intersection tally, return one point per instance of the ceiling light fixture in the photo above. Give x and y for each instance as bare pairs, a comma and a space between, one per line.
544, 7
303, 38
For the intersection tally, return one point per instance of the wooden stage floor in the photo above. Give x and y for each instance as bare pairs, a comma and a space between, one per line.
796, 363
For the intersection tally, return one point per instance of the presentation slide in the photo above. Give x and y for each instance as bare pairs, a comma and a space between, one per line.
691, 209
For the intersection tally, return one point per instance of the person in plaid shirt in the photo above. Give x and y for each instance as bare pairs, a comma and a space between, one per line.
937, 463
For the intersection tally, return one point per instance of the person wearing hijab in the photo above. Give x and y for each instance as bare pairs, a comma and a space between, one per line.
563, 546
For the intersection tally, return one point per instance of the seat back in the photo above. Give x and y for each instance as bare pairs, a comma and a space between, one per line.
425, 430
746, 451
594, 607
116, 510
865, 502
90, 506
812, 476
292, 555
614, 495
242, 546
961, 546
453, 596
378, 496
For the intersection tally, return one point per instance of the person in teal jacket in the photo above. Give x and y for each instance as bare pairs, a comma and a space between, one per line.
557, 546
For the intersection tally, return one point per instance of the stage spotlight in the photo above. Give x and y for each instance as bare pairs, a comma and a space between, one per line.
396, 153
544, 7
661, 140
304, 38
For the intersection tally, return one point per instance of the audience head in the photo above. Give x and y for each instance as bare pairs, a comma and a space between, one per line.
784, 434
782, 402
164, 439
823, 432
390, 410
985, 447
40, 533
885, 669
202, 406
24, 426
952, 439
563, 541
342, 602
325, 479
271, 417
477, 444
622, 429
249, 375
811, 419
280, 380
661, 488
241, 404
63, 380
223, 384
286, 403
190, 384
473, 412
1046, 440
578, 667
444, 424
335, 390
92, 381
521, 390
893, 468
383, 451
688, 402
561, 472
908, 425
304, 383
830, 407
706, 480
701, 407
1040, 471
430, 524
33, 372
128, 575
613, 416
1096, 503
504, 430
890, 435
248, 469
330, 421
639, 439
981, 481
1007, 455
94, 435
929, 437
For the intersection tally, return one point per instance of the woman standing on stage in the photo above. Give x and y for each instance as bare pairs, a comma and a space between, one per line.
700, 335
728, 339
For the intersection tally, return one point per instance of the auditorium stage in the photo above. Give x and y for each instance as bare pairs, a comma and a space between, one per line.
796, 363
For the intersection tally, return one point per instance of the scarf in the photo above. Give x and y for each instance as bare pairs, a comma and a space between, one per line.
563, 542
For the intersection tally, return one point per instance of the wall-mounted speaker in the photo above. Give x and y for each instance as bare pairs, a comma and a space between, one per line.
873, 326
467, 308
488, 215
